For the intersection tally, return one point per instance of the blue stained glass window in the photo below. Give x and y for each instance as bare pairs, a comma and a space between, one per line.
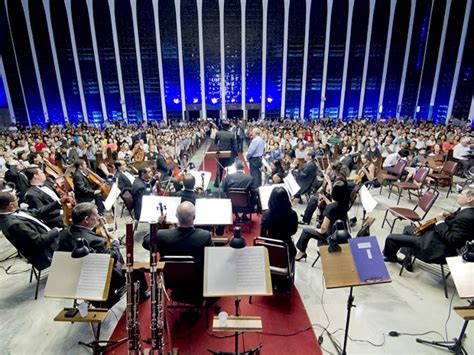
86, 60
128, 60
355, 68
211, 39
378, 45
232, 50
25, 61
275, 32
465, 88
317, 34
12, 78
448, 64
190, 41
396, 58
169, 50
62, 40
44, 55
149, 58
294, 71
431, 58
416, 56
337, 45
108, 64
253, 51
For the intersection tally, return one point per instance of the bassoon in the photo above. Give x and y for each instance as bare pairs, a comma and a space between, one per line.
133, 325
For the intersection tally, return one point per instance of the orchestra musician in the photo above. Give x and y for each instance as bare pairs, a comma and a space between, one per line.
123, 182
367, 171
28, 234
41, 197
442, 240
85, 218
83, 190
188, 193
305, 177
142, 186
165, 165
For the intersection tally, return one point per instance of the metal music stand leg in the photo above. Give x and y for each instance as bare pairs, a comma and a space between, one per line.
220, 178
455, 345
350, 304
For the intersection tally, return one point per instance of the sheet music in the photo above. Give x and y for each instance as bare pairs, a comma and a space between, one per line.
231, 169
111, 197
367, 200
129, 176
237, 272
266, 164
266, 191
291, 184
213, 211
63, 276
93, 277
151, 211
198, 177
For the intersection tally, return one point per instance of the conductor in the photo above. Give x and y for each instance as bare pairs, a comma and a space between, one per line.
225, 141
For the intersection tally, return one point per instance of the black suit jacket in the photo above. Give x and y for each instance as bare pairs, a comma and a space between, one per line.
124, 183
140, 188
447, 237
225, 140
19, 179
163, 167
37, 199
280, 227
83, 190
31, 239
182, 241
306, 176
348, 161
187, 195
240, 180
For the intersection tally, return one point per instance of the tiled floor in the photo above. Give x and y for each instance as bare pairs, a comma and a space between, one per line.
412, 303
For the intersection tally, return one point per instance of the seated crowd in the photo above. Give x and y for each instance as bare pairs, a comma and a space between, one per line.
330, 161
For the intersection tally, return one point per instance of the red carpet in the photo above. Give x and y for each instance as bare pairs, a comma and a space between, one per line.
283, 333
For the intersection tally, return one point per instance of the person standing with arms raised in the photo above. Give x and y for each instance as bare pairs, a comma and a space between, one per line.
254, 156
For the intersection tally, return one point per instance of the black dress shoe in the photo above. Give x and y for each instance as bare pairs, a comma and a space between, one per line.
389, 259
303, 223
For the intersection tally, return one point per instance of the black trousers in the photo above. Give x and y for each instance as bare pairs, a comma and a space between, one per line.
395, 242
255, 164
223, 163
308, 234
240, 145
310, 209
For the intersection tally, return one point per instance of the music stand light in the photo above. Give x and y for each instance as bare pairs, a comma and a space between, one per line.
237, 242
81, 250
340, 236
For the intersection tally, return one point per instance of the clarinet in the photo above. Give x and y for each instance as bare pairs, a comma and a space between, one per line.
133, 326
156, 324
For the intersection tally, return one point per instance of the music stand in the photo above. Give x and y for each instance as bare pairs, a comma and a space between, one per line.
216, 155
463, 274
348, 268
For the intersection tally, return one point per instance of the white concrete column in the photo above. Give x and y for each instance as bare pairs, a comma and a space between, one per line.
160, 60
222, 50
424, 61
326, 58
7, 91
76, 59
346, 57
462, 43
264, 55
405, 61
47, 11
201, 59
177, 5
100, 82
368, 43
305, 58
16, 63
123, 104
393, 4
243, 81
138, 54
471, 111
26, 11
440, 58
285, 57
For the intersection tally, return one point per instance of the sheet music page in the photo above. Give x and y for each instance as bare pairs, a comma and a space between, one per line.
112, 196
93, 277
265, 192
231, 169
151, 211
234, 272
63, 276
198, 177
291, 184
129, 176
213, 211
367, 199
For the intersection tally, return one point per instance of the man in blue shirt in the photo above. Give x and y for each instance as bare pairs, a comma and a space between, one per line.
254, 157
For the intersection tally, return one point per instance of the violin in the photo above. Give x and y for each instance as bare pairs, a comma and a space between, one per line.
101, 229
67, 206
430, 223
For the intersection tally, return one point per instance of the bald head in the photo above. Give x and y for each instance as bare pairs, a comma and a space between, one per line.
186, 214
